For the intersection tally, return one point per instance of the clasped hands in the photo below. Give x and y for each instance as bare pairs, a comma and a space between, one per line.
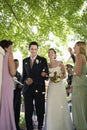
29, 80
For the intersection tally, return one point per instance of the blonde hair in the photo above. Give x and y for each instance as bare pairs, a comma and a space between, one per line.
82, 46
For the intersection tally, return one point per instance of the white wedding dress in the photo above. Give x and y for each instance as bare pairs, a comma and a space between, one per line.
57, 113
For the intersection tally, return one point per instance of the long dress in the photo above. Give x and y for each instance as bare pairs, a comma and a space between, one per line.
7, 121
58, 117
79, 100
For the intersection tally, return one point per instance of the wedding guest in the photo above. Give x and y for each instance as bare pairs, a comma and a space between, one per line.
35, 70
7, 121
69, 69
17, 95
71, 54
58, 117
79, 84
2, 52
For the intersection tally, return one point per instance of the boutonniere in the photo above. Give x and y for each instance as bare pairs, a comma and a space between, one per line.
37, 61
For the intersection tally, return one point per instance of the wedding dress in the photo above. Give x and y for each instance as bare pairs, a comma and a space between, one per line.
57, 113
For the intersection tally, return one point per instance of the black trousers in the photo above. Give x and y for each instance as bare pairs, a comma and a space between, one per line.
17, 104
39, 99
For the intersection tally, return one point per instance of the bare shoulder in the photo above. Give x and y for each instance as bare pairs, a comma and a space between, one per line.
81, 57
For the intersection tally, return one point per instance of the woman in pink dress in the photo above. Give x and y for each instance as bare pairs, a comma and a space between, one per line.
7, 121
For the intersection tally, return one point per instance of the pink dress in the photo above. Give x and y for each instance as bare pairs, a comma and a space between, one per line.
7, 121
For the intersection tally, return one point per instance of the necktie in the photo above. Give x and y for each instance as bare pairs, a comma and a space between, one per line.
32, 62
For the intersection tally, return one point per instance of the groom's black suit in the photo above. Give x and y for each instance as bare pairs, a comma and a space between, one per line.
35, 91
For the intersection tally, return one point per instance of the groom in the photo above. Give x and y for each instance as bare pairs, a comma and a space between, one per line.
35, 72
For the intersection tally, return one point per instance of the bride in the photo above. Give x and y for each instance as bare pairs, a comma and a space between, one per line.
58, 117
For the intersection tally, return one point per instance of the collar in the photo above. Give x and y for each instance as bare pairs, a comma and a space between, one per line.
33, 57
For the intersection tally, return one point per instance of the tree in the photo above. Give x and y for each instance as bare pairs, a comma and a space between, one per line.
33, 20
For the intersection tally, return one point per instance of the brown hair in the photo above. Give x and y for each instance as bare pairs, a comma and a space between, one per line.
5, 43
53, 51
33, 43
82, 46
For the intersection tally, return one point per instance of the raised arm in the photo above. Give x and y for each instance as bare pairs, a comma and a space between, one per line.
11, 64
63, 70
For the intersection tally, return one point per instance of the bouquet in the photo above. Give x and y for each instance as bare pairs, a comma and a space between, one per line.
55, 77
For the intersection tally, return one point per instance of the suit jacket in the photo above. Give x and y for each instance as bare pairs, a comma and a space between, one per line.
40, 65
18, 76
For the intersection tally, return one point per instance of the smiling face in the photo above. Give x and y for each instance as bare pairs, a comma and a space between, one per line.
51, 54
33, 50
80, 47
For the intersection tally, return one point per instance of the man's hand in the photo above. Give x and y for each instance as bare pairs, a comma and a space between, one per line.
20, 86
29, 81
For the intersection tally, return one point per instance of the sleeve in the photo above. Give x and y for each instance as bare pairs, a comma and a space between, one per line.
45, 67
73, 57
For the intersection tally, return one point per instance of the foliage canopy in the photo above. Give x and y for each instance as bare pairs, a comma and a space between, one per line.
44, 21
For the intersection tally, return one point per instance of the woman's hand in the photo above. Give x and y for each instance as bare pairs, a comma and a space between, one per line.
43, 74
